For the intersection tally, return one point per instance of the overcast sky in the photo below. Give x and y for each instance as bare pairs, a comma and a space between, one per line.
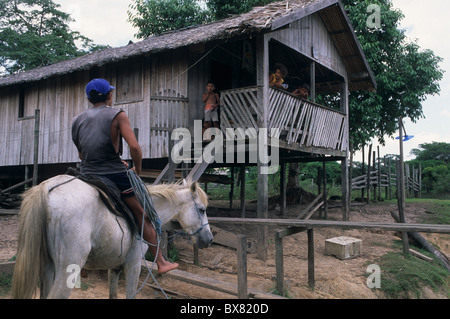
105, 22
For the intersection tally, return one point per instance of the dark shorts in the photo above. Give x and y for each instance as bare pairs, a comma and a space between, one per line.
122, 182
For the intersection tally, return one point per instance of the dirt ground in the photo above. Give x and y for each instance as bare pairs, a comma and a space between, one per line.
334, 278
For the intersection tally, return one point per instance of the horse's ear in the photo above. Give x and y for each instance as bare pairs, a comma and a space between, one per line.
194, 188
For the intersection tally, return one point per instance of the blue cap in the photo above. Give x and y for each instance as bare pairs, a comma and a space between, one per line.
100, 85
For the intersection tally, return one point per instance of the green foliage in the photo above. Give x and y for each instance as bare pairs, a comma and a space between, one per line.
433, 151
405, 277
221, 9
436, 179
34, 33
435, 160
405, 74
153, 17
437, 213
5, 283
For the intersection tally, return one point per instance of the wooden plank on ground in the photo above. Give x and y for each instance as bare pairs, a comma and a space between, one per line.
217, 285
223, 237
306, 210
415, 253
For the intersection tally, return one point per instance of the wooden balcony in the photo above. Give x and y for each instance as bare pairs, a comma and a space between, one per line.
303, 125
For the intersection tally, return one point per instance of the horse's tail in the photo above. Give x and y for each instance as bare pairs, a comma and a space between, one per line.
32, 247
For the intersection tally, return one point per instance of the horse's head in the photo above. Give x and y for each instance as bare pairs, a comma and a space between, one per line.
193, 217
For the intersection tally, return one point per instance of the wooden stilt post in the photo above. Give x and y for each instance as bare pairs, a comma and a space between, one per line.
37, 117
262, 182
232, 187
242, 172
345, 177
319, 187
283, 188
324, 176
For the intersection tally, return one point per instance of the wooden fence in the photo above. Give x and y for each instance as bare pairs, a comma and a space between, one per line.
383, 176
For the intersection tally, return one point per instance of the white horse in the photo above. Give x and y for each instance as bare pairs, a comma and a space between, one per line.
71, 227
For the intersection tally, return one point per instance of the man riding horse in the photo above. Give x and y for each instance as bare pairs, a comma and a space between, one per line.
97, 133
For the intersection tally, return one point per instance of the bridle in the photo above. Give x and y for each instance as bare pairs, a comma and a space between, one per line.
199, 216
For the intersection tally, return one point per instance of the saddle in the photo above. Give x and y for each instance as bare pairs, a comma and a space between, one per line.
110, 196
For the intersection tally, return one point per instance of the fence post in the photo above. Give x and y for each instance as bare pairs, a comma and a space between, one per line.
242, 266
279, 263
379, 173
401, 188
311, 280
368, 174
420, 180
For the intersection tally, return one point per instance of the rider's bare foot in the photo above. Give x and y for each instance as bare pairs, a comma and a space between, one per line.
166, 266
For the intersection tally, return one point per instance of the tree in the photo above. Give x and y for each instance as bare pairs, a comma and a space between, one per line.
439, 151
405, 74
153, 17
435, 161
34, 33
221, 9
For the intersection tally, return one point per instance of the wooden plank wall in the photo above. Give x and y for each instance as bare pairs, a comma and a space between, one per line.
59, 100
132, 80
169, 99
161, 105
10, 128
310, 37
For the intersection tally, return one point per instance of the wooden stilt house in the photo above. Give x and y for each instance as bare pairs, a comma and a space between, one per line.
160, 82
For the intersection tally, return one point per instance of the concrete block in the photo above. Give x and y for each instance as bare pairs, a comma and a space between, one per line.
343, 247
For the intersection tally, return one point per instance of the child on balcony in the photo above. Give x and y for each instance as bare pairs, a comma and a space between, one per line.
302, 92
276, 79
212, 102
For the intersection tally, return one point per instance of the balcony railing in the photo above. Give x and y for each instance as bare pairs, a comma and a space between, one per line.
299, 121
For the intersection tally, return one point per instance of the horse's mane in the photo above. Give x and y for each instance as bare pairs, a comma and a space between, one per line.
169, 191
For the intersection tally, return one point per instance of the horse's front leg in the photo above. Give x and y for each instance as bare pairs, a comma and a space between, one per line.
113, 280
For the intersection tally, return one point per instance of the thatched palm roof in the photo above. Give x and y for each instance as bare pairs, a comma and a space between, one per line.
258, 20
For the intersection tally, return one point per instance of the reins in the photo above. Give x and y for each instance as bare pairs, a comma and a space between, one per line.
143, 195
60, 184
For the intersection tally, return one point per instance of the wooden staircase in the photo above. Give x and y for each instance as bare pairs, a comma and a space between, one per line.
191, 171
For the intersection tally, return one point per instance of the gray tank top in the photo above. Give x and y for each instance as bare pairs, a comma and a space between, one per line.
91, 133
